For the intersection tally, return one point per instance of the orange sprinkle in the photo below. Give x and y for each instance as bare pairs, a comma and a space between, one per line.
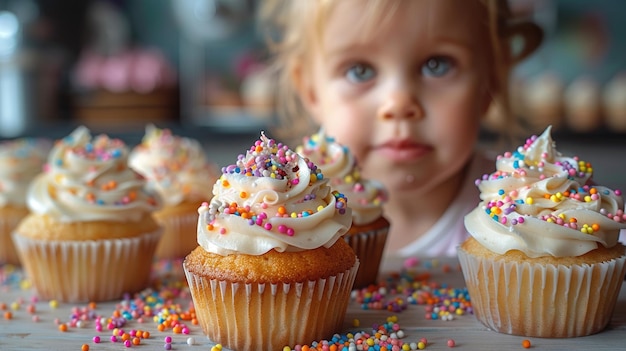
243, 194
92, 305
161, 327
526, 343
145, 334
136, 341
85, 347
593, 191
282, 210
62, 327
8, 315
595, 227
225, 183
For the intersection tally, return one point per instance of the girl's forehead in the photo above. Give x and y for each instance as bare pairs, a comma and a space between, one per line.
359, 20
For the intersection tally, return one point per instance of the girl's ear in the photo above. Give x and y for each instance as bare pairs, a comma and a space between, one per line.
302, 82
531, 35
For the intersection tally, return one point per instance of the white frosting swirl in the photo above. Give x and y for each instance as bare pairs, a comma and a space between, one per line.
339, 164
20, 161
544, 204
174, 166
272, 198
89, 180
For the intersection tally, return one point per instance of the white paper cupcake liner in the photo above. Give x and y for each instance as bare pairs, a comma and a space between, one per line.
179, 235
252, 316
368, 247
523, 298
86, 271
8, 253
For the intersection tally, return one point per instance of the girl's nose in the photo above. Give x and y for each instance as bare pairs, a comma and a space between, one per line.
400, 105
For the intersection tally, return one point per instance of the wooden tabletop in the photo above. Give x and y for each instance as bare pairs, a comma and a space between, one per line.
18, 330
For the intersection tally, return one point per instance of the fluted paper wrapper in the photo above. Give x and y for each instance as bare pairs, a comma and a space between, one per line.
256, 316
368, 247
8, 253
527, 299
179, 235
87, 271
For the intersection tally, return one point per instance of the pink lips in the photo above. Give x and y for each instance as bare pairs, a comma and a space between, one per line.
403, 150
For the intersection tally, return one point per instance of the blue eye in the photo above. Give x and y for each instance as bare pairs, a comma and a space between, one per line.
437, 66
360, 73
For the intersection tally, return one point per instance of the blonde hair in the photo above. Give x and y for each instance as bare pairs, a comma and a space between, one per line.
293, 27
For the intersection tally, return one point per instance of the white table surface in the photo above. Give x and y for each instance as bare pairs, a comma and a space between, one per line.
20, 332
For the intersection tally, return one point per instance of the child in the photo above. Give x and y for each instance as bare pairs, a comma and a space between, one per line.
405, 85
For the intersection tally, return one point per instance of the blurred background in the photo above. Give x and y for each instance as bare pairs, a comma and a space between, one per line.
198, 67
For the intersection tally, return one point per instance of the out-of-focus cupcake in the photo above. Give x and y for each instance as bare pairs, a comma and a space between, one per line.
543, 258
271, 269
90, 235
177, 168
543, 101
20, 161
368, 233
614, 103
583, 105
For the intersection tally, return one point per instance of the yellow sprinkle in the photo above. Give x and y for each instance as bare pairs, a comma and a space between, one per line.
392, 319
25, 284
587, 198
554, 198
356, 323
272, 175
529, 200
294, 215
561, 215
54, 304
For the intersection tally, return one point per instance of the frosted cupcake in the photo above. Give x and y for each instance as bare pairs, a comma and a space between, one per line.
368, 233
90, 235
20, 161
177, 168
543, 258
271, 268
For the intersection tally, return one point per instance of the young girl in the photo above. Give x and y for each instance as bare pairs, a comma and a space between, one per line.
405, 84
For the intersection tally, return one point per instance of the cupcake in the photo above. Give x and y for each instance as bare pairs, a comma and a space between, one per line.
20, 161
90, 234
178, 170
368, 233
543, 258
271, 268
